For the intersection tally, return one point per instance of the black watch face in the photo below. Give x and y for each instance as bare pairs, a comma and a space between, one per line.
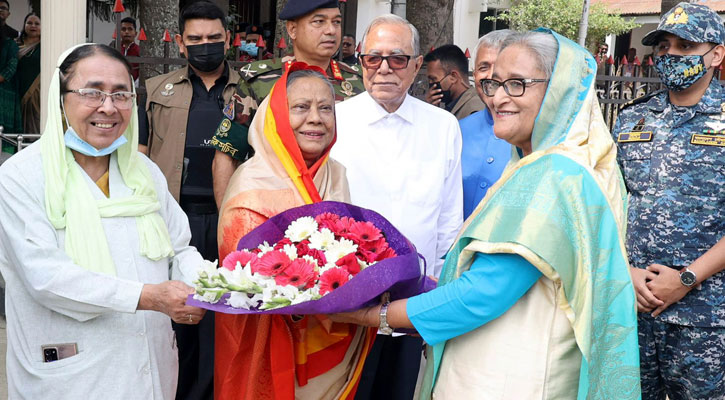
687, 278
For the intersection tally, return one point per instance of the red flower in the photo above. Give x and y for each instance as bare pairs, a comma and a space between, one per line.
332, 279
255, 250
279, 245
303, 248
387, 253
243, 257
370, 250
367, 256
343, 226
350, 263
327, 220
365, 231
299, 273
272, 263
318, 255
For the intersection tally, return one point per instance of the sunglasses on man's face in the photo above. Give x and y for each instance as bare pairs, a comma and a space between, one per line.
395, 61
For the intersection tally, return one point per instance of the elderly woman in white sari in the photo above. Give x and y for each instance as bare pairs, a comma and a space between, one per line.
535, 299
89, 240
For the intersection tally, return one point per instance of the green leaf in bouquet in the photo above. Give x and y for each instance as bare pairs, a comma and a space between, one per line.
211, 295
276, 302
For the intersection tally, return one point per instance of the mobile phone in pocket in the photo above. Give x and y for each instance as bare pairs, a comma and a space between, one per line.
55, 352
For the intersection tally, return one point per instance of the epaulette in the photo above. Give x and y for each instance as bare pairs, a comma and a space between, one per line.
351, 69
252, 70
641, 99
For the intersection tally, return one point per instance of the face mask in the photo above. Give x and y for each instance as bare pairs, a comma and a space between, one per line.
680, 72
74, 142
250, 48
206, 57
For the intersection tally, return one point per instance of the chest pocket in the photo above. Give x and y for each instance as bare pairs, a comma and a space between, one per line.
703, 171
636, 160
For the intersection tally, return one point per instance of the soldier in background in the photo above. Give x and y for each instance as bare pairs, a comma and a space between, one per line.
671, 150
315, 29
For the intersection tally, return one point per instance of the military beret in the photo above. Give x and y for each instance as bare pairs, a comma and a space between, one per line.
297, 8
694, 22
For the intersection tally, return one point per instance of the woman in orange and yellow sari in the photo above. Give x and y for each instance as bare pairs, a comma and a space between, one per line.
286, 356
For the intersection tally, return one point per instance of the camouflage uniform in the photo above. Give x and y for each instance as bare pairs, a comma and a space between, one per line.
257, 80
673, 162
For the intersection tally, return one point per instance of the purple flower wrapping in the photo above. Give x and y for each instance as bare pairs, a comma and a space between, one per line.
401, 275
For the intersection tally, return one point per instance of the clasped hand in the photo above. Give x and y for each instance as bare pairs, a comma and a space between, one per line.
657, 287
170, 298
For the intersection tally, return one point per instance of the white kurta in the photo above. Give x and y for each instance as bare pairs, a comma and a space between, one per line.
122, 353
405, 165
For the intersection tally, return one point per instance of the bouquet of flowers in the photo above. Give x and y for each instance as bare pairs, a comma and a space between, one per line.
323, 258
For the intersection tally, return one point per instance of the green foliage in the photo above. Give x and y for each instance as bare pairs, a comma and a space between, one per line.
564, 17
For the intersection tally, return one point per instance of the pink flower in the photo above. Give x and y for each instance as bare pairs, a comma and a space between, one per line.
242, 257
279, 245
387, 253
318, 255
349, 262
370, 250
365, 231
299, 273
272, 263
303, 248
327, 220
332, 279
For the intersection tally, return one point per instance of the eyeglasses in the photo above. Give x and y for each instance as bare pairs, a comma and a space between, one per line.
94, 98
514, 87
395, 61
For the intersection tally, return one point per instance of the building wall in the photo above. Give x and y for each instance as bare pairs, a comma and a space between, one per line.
18, 10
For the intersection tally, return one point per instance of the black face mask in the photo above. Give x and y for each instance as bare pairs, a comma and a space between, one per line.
447, 95
206, 57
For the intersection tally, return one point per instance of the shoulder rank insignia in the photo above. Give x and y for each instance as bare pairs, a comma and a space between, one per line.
708, 140
335, 70
229, 109
626, 137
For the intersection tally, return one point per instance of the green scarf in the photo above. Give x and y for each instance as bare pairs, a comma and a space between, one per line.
71, 206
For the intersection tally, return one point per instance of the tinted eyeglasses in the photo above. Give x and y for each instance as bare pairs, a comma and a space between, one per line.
94, 98
514, 87
395, 61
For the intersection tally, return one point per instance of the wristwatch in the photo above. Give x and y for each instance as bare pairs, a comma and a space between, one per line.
384, 328
687, 277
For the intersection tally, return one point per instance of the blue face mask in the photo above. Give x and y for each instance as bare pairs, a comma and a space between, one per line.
250, 48
680, 72
74, 142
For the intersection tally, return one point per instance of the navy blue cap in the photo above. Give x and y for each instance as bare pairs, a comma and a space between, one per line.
694, 22
298, 8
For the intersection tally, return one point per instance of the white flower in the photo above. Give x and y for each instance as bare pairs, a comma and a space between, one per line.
322, 240
288, 291
208, 267
327, 266
264, 248
340, 249
302, 297
238, 300
310, 259
291, 251
300, 229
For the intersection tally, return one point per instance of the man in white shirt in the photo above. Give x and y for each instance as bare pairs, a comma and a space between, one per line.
403, 160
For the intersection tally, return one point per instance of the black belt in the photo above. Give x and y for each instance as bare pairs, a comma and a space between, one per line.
199, 208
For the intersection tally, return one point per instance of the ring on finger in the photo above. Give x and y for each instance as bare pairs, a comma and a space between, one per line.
190, 318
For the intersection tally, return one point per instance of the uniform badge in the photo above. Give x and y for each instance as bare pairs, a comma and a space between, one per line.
247, 69
639, 126
262, 66
677, 17
347, 88
626, 137
355, 68
225, 126
708, 140
229, 110
168, 90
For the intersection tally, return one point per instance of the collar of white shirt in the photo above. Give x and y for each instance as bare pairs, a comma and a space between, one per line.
376, 112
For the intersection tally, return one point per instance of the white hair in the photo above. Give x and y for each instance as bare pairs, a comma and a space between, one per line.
395, 20
493, 40
543, 46
309, 73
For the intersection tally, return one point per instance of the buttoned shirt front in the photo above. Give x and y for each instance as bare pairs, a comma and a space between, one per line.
406, 165
673, 162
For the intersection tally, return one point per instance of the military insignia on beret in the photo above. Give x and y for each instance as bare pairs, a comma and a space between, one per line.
229, 110
708, 140
677, 17
627, 137
225, 126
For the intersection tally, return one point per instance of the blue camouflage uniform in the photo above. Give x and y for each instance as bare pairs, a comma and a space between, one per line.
673, 162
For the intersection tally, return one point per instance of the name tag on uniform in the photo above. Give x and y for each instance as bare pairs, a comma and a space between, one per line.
708, 140
626, 137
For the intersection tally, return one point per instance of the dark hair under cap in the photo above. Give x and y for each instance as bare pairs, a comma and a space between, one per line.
200, 10
298, 8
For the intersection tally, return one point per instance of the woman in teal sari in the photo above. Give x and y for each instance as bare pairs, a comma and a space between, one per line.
535, 299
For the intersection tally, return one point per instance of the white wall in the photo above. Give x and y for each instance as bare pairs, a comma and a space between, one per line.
18, 10
367, 10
